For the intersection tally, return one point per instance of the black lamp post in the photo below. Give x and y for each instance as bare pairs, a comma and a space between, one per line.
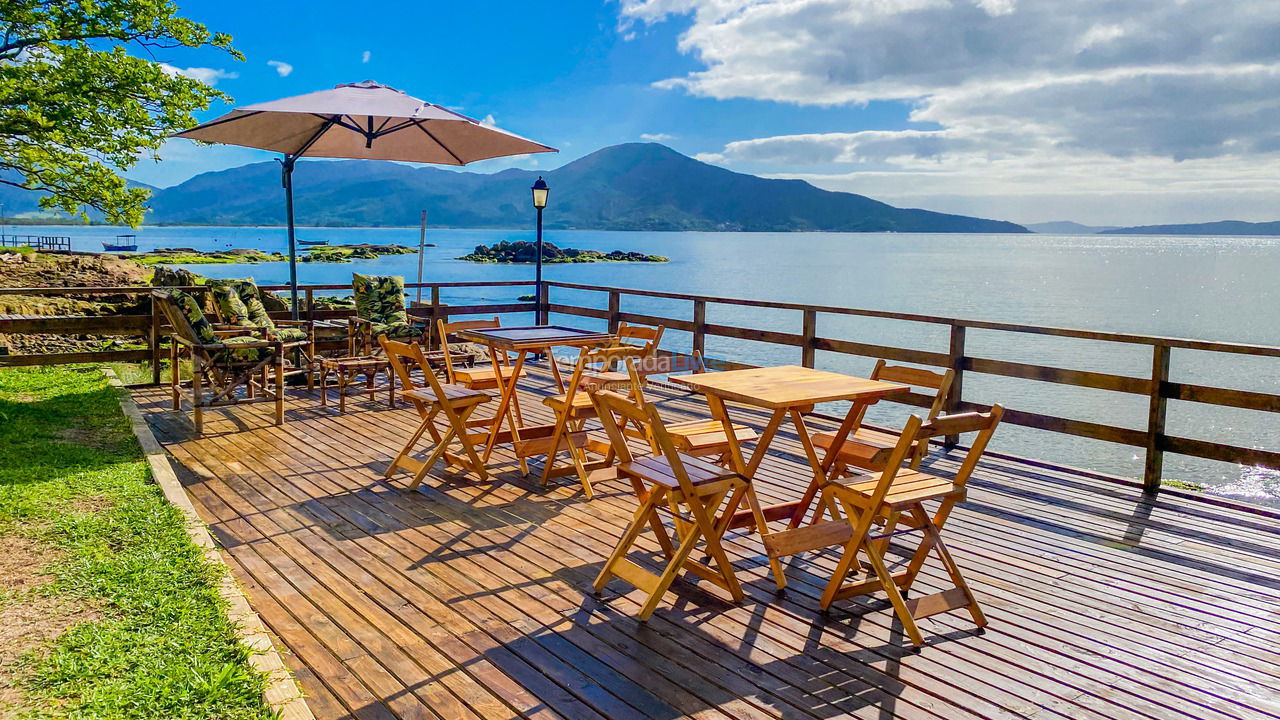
540, 191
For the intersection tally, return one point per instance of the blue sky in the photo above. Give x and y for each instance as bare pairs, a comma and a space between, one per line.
560, 73
1119, 112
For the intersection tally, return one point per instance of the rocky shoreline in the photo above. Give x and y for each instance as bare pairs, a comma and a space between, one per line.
527, 252
318, 253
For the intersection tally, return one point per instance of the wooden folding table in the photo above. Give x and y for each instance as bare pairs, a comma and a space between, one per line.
525, 341
789, 390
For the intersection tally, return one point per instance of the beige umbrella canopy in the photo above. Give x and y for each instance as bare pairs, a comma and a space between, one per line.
362, 120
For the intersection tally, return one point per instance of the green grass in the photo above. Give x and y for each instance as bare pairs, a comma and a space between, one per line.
72, 475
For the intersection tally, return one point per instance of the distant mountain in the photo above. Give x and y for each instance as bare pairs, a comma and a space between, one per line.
624, 187
20, 203
1223, 227
1066, 227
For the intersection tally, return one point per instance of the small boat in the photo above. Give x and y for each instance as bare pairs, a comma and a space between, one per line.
313, 242
123, 243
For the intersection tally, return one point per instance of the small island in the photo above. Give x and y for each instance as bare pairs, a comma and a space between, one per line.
325, 253
527, 252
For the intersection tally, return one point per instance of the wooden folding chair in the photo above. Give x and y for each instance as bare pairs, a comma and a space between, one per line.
867, 448
692, 489
573, 408
455, 402
638, 336
896, 499
702, 438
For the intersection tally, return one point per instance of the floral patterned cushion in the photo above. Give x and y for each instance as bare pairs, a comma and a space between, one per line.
395, 330
380, 299
248, 292
190, 307
230, 306
289, 334
251, 354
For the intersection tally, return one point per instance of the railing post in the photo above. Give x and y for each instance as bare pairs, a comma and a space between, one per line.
311, 304
615, 310
700, 327
435, 315
544, 304
1154, 468
810, 332
153, 341
955, 355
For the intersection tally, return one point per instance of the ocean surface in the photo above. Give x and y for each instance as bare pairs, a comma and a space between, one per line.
1214, 288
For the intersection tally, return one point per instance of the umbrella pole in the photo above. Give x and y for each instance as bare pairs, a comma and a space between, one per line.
287, 179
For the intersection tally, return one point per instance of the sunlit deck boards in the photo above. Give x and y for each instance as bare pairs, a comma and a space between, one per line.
471, 599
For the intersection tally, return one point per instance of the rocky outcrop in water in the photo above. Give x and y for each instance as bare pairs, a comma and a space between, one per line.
527, 252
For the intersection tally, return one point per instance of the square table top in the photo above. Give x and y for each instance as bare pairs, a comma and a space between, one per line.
535, 337
787, 386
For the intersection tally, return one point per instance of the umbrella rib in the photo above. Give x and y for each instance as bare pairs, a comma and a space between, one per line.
221, 121
424, 129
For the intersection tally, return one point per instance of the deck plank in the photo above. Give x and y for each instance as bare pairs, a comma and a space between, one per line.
468, 599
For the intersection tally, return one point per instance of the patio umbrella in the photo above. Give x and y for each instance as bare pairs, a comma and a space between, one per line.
362, 120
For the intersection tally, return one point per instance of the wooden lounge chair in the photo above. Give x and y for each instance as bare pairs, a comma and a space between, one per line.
380, 310
454, 402
896, 499
869, 449
703, 438
237, 303
221, 360
691, 488
572, 409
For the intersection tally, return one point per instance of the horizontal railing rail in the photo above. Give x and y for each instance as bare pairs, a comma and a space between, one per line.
1154, 386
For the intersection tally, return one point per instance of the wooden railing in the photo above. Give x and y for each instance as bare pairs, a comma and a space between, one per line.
1156, 387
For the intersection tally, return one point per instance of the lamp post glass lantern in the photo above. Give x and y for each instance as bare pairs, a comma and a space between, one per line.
540, 192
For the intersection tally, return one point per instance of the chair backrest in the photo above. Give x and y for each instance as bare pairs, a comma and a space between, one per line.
939, 382
612, 407
448, 328
185, 316
648, 337
605, 358
379, 298
227, 305
982, 423
403, 358
918, 430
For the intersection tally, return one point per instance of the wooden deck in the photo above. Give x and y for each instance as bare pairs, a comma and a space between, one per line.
472, 599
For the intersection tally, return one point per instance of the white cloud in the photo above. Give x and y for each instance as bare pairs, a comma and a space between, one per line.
283, 68
208, 76
1135, 96
657, 137
365, 56
489, 120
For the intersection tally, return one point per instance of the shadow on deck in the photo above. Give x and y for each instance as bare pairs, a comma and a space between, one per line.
471, 599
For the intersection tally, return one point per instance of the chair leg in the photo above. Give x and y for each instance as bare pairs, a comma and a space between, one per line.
173, 374
895, 596
847, 560
562, 422
642, 517
408, 447
467, 446
674, 567
933, 536
197, 409
432, 459
280, 390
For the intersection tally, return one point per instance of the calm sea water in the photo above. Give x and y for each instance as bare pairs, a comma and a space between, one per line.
1216, 288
